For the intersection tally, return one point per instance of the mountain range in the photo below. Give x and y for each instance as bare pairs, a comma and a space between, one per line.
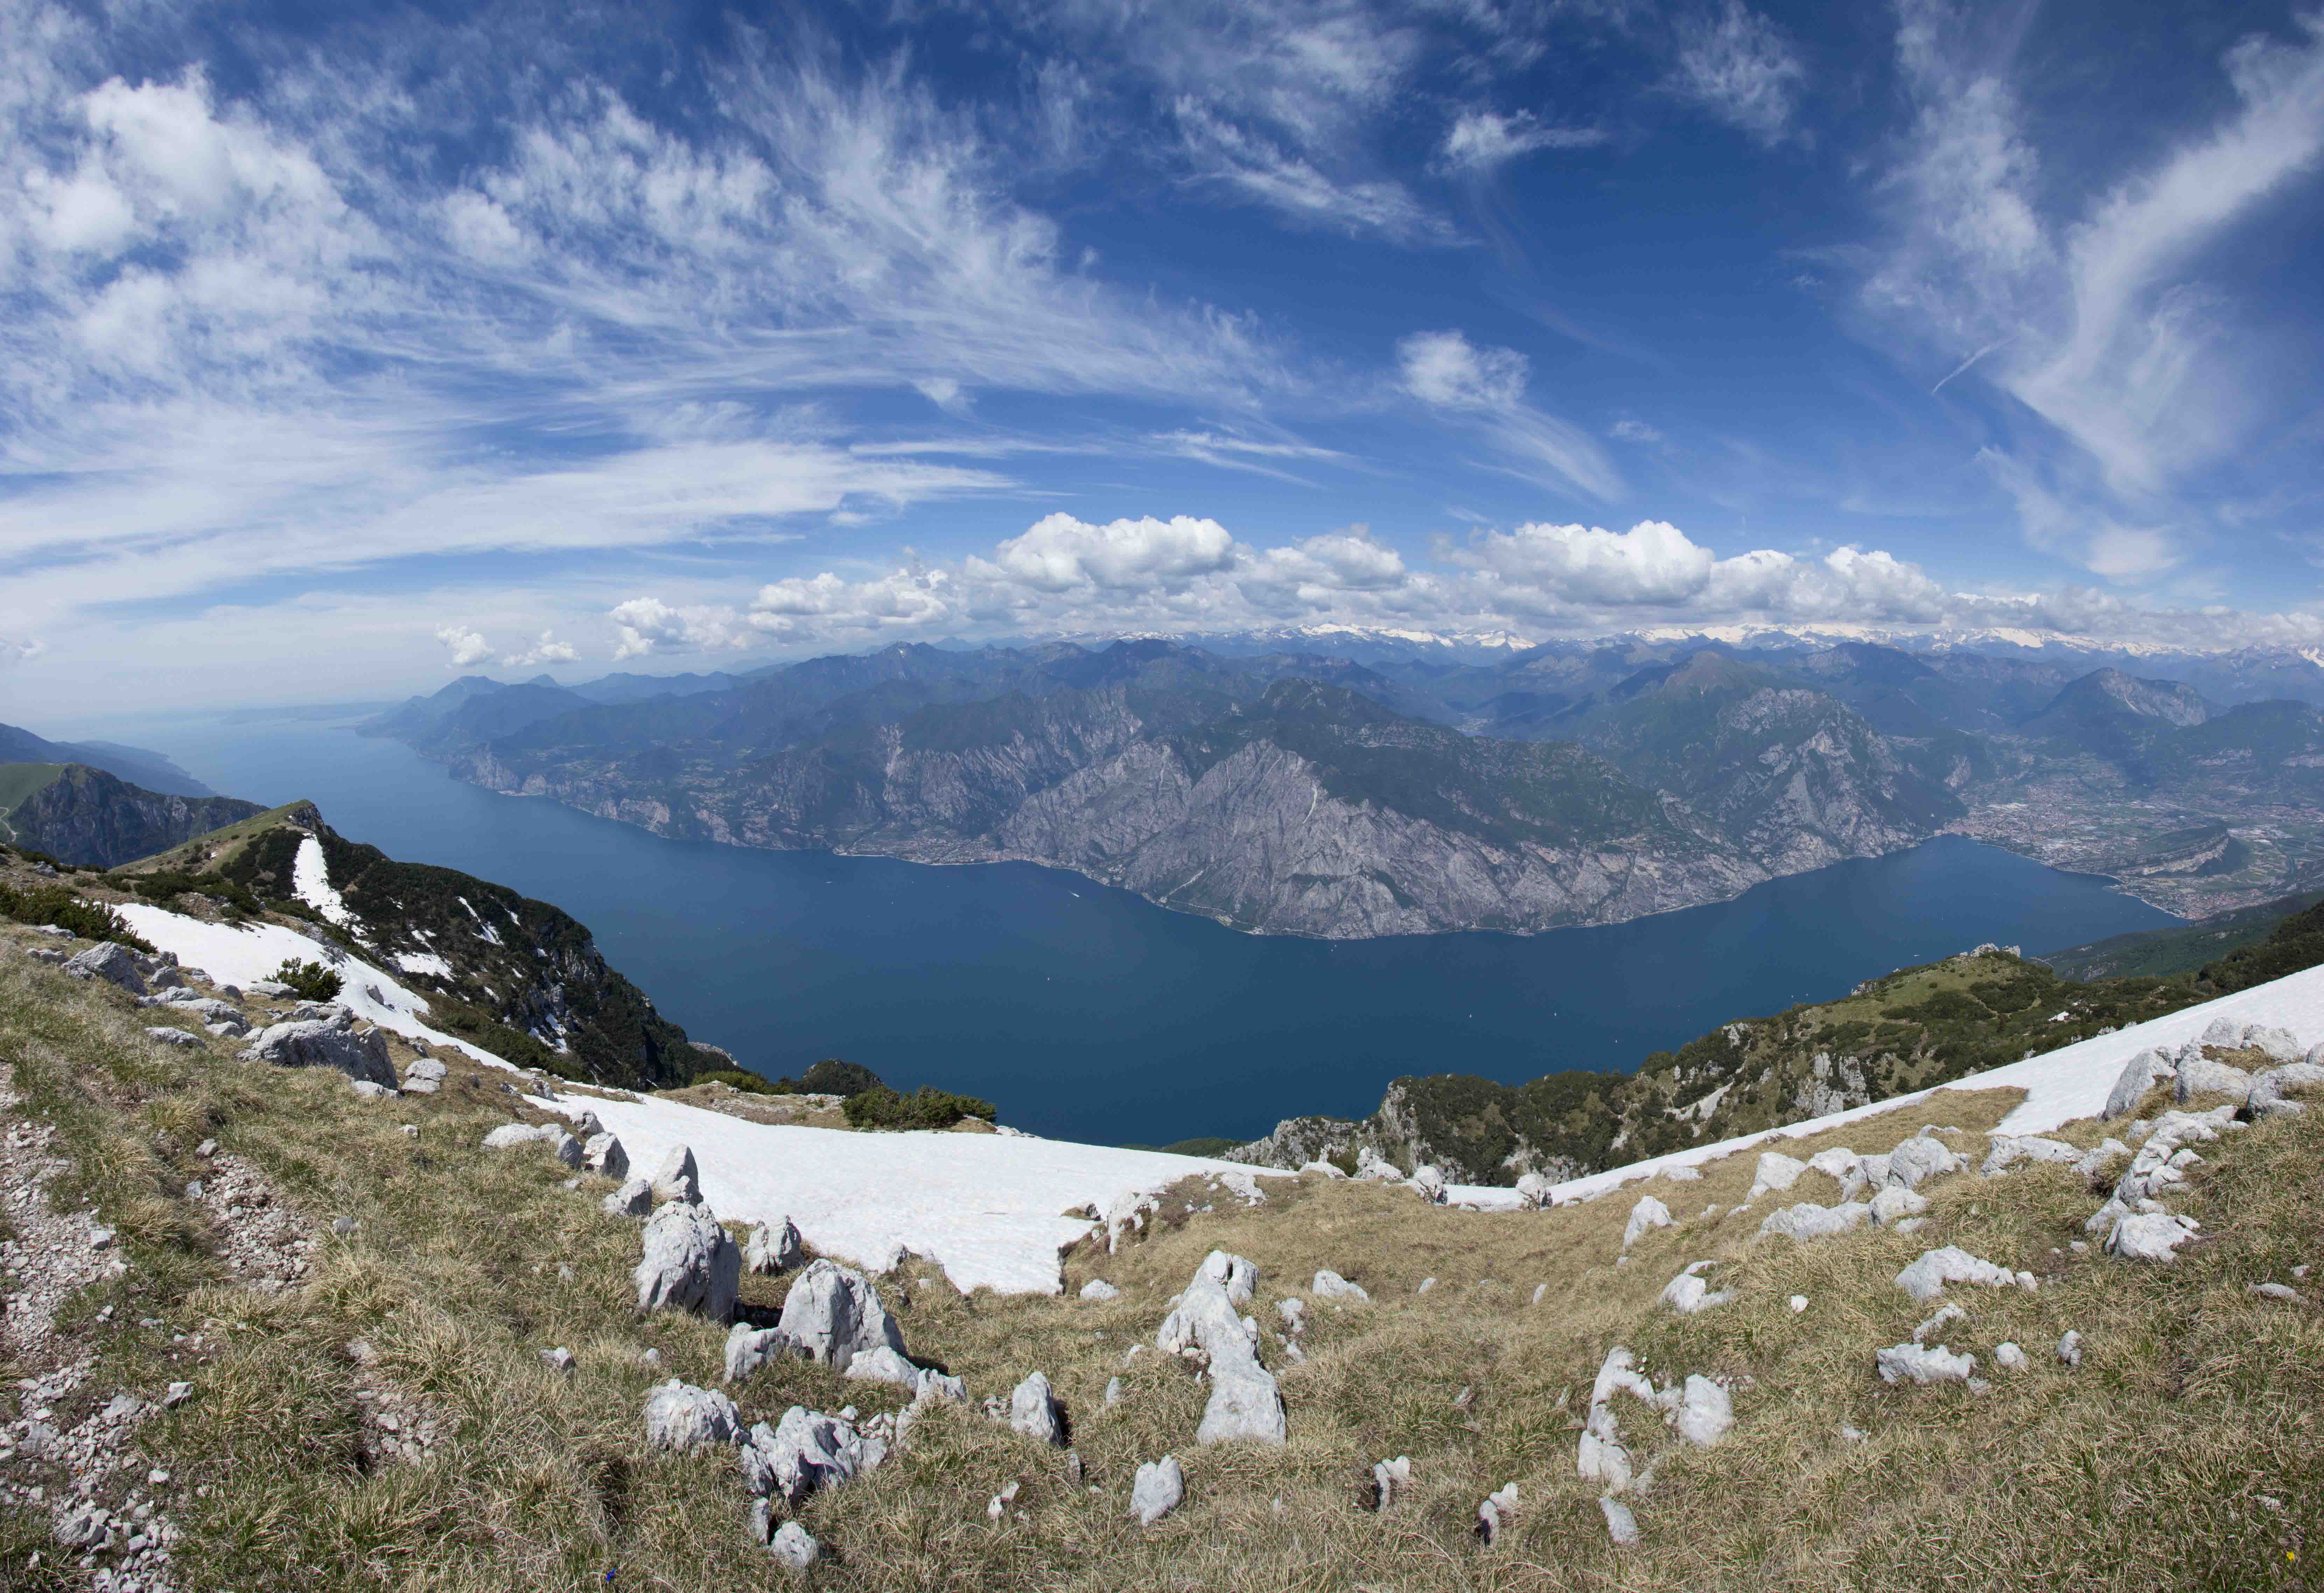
1320, 794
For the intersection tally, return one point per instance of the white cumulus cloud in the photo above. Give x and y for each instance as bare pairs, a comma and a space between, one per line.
468, 647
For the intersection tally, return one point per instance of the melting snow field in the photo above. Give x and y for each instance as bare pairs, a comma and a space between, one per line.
988, 1209
239, 956
2060, 1086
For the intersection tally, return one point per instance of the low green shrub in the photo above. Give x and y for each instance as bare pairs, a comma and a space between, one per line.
927, 1107
57, 904
309, 982
748, 1083
831, 1076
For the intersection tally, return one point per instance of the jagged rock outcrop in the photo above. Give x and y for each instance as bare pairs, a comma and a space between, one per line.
85, 815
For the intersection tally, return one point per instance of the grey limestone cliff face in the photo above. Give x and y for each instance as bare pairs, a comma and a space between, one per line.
85, 815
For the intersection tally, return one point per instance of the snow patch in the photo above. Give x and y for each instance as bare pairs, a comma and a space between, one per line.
426, 962
311, 881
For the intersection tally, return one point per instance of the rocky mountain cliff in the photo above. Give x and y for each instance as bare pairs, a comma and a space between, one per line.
1283, 793
80, 815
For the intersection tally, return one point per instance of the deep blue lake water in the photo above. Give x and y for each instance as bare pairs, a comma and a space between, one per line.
1088, 1013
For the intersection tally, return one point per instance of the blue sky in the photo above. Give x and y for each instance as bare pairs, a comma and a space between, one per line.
344, 349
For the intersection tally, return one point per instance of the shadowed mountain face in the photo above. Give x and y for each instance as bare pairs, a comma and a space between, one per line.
136, 765
79, 814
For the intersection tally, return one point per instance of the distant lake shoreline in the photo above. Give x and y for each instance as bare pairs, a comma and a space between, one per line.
1087, 1012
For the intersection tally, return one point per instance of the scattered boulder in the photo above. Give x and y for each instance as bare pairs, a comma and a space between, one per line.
2278, 1044
774, 1247
331, 1042
1158, 1489
2141, 1073
633, 1199
1621, 1524
1430, 1181
1244, 1403
1373, 1168
689, 1263
115, 964
833, 1313
1097, 1288
2150, 1236
1919, 1159
1033, 1411
1704, 1412
1920, 1365
1776, 1172
1532, 1191
603, 1153
179, 1037
2009, 1357
2199, 1075
1493, 1515
2101, 1156
807, 1451
748, 1349
678, 1178
1808, 1220
2069, 1348
1330, 1285
424, 1076
1687, 1292
1894, 1202
794, 1548
2269, 1089
1649, 1213
509, 1135
1926, 1278
1389, 1479
2007, 1150
680, 1416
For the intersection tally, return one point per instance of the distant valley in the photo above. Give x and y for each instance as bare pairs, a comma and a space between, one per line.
1295, 793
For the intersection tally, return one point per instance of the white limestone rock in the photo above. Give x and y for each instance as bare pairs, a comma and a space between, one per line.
807, 1451
169, 1036
1704, 1412
2009, 1357
1808, 1220
332, 1042
1776, 1172
2008, 1150
689, 1263
1033, 1411
1687, 1292
2141, 1073
1097, 1288
2278, 1044
1894, 1202
794, 1548
1947, 1314
2151, 1237
511, 1135
1922, 1366
115, 964
678, 1178
1430, 1181
748, 1349
2099, 1157
680, 1416
774, 1247
2199, 1075
1494, 1513
1621, 1524
1926, 1278
2271, 1091
633, 1199
1532, 1191
1330, 1285
1648, 1214
1158, 1489
833, 1313
1919, 1159
1244, 1403
2069, 1348
603, 1153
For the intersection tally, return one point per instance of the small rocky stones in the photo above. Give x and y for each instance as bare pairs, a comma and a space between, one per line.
1389, 1480
1204, 1325
1621, 1526
1330, 1285
510, 1135
1896, 1202
2009, 1357
179, 1037
1158, 1489
689, 1263
1033, 1411
1113, 1391
558, 1360
833, 1312
1097, 1288
2069, 1348
678, 1178
1919, 1159
1921, 1364
1648, 1214
423, 1077
1799, 1303
1704, 1411
2285, 1292
2199, 1075
2007, 1150
807, 1451
774, 1247
680, 1416
2140, 1075
2271, 1091
748, 1349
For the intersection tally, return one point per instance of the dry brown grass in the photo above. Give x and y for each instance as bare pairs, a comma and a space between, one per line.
2140, 1470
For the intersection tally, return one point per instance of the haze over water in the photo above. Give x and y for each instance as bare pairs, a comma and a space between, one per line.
1088, 1013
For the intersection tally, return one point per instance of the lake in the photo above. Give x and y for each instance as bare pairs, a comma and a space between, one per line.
1088, 1013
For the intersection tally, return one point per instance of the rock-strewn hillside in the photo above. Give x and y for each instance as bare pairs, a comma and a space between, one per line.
1914, 1028
80, 815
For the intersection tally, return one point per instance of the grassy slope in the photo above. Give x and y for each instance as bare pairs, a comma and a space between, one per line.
2140, 1470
